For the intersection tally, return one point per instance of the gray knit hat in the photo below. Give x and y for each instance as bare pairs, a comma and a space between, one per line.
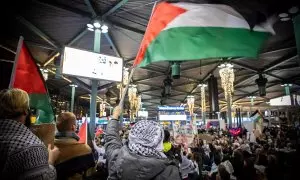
146, 139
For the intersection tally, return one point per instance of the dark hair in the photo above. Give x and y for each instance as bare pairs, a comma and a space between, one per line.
184, 153
217, 158
224, 175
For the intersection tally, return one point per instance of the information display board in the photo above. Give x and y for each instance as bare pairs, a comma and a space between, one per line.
169, 113
91, 65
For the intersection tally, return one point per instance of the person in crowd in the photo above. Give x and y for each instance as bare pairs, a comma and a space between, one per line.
76, 160
172, 152
143, 157
22, 154
187, 167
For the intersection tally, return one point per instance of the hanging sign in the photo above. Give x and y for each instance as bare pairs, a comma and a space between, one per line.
91, 65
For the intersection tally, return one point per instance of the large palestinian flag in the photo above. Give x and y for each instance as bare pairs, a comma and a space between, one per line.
26, 75
188, 31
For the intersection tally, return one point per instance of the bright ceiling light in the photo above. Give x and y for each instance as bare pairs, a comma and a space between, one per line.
90, 29
283, 15
294, 10
97, 24
104, 31
90, 26
104, 27
285, 19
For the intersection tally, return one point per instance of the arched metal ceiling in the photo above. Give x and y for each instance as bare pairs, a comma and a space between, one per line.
48, 25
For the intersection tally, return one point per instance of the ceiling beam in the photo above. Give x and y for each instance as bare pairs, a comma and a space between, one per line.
123, 26
106, 86
80, 83
253, 92
207, 64
113, 9
58, 6
37, 31
91, 8
244, 66
7, 49
78, 36
112, 44
277, 51
279, 62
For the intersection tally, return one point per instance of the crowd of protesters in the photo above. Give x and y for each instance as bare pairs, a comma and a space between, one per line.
144, 151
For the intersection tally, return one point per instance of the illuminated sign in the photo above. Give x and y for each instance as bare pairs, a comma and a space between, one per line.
170, 108
281, 101
91, 65
172, 117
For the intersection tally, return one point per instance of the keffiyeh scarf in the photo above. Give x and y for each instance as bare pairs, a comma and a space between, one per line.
146, 139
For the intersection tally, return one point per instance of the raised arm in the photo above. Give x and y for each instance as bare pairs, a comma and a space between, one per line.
113, 142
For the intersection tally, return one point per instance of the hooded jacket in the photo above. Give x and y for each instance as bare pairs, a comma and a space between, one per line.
126, 165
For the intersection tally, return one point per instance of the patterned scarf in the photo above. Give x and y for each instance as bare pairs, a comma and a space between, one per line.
146, 139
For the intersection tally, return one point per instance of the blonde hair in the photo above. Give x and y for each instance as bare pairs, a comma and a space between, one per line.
65, 121
13, 103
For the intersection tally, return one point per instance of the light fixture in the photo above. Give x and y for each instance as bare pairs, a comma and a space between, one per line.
227, 80
73, 85
125, 76
175, 70
167, 86
286, 85
287, 88
203, 101
191, 104
294, 10
283, 15
91, 29
261, 83
90, 26
102, 109
104, 27
285, 19
97, 24
251, 97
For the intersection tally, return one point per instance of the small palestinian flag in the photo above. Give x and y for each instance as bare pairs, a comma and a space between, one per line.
27, 76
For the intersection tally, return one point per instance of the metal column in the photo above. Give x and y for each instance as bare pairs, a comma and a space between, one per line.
93, 105
73, 97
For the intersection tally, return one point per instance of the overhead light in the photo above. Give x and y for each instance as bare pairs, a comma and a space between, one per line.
285, 19
283, 15
90, 29
104, 30
97, 24
90, 26
73, 85
251, 97
104, 27
285, 85
202, 85
294, 10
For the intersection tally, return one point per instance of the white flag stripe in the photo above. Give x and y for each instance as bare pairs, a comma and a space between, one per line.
210, 15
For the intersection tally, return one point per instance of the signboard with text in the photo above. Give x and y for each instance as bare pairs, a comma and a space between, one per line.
91, 65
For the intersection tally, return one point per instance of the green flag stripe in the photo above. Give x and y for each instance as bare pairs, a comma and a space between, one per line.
194, 43
41, 102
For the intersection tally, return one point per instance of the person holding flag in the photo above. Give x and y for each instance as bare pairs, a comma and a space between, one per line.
143, 157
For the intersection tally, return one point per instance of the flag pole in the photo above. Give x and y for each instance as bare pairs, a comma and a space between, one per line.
86, 131
13, 73
121, 103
